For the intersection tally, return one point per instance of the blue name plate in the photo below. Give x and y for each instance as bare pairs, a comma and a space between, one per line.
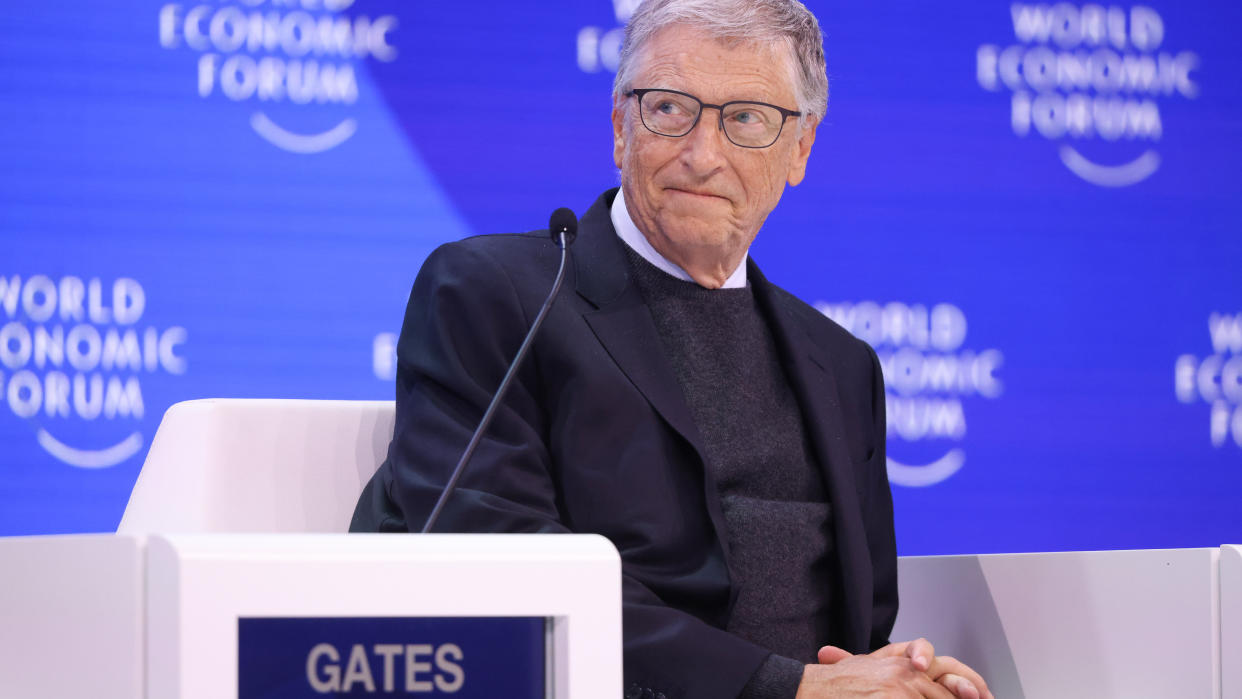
463, 657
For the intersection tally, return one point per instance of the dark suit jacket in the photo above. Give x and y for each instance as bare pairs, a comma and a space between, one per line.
595, 436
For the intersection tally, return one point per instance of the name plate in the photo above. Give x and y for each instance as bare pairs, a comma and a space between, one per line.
463, 657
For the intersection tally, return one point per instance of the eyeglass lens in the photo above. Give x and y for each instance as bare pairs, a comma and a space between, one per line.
748, 124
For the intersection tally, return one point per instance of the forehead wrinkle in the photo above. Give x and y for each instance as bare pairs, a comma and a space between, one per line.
709, 69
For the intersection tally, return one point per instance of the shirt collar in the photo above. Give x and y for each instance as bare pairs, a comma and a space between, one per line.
629, 233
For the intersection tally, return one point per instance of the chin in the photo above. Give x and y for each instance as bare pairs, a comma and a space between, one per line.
698, 234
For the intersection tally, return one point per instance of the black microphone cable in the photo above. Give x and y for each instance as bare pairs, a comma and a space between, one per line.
563, 227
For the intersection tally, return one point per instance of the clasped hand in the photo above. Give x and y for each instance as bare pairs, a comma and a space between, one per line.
908, 669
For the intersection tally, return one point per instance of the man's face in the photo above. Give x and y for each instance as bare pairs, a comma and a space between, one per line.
700, 196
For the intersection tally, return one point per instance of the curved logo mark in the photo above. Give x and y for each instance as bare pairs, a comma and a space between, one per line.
1125, 175
931, 474
301, 143
96, 458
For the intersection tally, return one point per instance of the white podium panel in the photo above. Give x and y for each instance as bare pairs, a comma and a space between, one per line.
200, 585
1068, 625
71, 617
126, 617
123, 616
1231, 621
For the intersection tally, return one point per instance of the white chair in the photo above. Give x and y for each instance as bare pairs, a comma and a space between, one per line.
232, 465
220, 466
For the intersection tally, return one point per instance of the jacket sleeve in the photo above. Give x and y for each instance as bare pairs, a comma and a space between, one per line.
881, 538
465, 321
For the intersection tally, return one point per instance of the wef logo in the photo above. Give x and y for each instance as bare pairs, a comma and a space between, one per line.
1216, 379
74, 353
599, 48
1088, 75
930, 376
300, 52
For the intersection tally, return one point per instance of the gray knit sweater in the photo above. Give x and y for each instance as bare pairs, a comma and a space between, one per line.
771, 492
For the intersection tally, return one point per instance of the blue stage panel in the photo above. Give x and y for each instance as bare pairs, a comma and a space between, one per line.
1031, 211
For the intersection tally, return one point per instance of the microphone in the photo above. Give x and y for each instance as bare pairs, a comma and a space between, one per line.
563, 227
563, 221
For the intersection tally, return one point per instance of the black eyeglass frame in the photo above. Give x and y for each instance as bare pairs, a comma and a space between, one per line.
639, 92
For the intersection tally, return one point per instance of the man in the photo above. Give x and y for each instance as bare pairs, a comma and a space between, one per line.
726, 437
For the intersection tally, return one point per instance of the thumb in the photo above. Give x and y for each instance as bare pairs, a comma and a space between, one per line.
831, 654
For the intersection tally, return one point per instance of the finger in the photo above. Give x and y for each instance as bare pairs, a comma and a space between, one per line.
931, 690
945, 664
892, 650
921, 653
831, 654
961, 687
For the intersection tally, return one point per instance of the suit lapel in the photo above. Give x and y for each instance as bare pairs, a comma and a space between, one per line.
810, 374
628, 333
623, 324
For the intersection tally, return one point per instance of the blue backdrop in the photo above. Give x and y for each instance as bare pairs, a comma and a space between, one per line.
1033, 212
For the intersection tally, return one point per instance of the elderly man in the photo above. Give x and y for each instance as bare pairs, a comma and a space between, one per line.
726, 437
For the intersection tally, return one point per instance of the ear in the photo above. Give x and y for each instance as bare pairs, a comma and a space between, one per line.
619, 131
802, 151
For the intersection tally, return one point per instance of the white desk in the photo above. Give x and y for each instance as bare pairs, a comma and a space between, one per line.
1231, 621
124, 616
1101, 624
116, 616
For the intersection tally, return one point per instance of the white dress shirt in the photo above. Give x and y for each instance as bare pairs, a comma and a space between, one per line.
638, 242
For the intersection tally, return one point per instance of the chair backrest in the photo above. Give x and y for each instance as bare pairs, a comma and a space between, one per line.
233, 465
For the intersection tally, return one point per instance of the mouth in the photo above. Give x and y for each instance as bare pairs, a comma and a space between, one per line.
698, 195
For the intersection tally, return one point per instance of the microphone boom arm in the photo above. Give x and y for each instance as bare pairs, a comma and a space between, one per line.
564, 237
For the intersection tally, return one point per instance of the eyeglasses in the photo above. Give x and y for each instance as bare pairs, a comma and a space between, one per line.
746, 124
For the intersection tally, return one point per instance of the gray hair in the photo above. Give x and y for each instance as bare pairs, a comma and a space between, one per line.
786, 22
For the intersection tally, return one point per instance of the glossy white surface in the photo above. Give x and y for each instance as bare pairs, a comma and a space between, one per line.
71, 617
1231, 621
232, 465
76, 625
201, 584
1079, 624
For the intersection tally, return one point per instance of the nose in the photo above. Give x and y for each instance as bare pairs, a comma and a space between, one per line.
703, 149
